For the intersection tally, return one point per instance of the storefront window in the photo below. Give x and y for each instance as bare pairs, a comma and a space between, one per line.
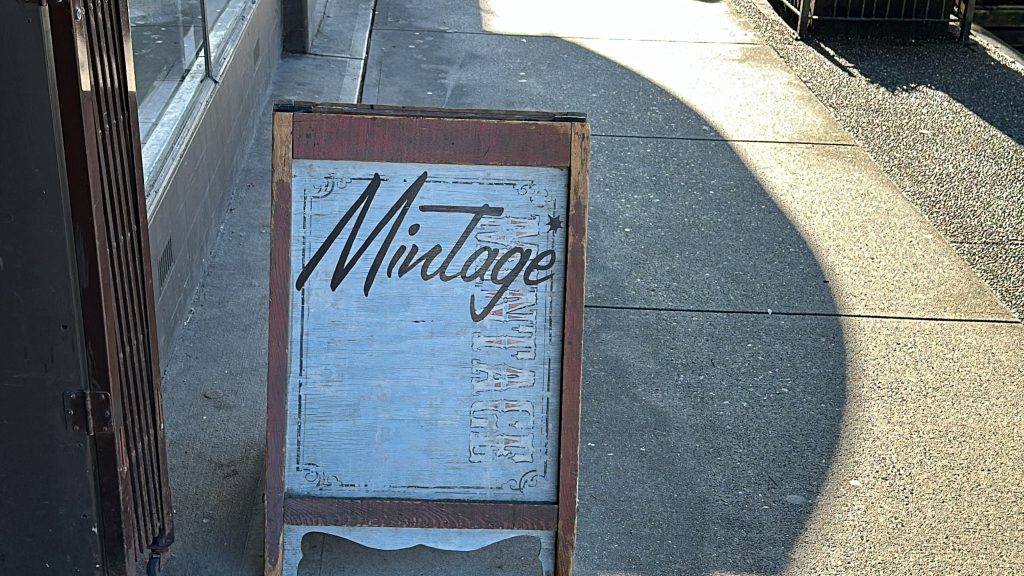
224, 17
169, 44
215, 9
167, 38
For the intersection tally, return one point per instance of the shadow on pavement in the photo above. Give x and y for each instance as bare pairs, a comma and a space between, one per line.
710, 423
967, 74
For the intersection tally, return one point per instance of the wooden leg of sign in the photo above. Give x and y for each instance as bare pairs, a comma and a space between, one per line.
572, 351
277, 353
292, 552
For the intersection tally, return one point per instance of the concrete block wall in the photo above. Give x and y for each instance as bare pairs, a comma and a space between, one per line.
186, 210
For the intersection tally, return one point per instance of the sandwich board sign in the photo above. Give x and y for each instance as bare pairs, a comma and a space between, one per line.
426, 315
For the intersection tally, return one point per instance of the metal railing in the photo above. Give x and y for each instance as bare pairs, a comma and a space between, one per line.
880, 13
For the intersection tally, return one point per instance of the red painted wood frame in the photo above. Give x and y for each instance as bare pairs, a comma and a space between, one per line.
437, 136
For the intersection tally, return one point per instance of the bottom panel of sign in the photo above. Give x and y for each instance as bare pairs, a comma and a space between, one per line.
462, 540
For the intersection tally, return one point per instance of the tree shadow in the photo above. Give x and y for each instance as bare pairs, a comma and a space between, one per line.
967, 74
710, 420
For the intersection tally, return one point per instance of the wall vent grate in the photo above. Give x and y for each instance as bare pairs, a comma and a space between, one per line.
166, 262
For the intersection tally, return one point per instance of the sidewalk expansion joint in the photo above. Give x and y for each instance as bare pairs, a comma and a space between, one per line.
331, 56
809, 314
511, 35
737, 140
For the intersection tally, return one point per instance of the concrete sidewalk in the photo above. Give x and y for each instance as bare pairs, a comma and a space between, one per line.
788, 370
942, 121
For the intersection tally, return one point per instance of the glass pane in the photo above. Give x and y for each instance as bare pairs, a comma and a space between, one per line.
167, 40
224, 17
215, 9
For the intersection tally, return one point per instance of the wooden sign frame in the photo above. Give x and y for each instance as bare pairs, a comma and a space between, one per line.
305, 131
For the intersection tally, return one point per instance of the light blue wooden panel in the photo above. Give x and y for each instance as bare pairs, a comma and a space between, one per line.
400, 538
436, 388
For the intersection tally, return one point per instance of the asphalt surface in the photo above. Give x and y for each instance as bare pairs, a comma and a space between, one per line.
942, 120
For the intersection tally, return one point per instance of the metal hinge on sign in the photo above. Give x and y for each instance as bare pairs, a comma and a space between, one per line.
88, 412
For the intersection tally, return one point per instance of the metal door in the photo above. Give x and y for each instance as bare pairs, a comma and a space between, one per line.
83, 480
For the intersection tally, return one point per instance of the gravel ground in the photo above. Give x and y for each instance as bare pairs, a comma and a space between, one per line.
945, 123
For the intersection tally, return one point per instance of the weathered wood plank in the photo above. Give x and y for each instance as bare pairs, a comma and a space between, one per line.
304, 107
462, 540
419, 514
431, 140
572, 350
425, 374
405, 385
277, 354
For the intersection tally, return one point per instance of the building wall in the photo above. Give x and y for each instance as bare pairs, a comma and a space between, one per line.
189, 202
301, 20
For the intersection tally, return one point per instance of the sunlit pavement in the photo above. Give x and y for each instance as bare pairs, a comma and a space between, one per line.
788, 369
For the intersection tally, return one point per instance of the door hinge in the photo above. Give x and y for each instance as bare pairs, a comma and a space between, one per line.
88, 412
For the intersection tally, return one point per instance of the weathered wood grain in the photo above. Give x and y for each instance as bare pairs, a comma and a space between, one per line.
419, 514
572, 349
277, 354
400, 392
305, 107
431, 140
400, 407
462, 540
